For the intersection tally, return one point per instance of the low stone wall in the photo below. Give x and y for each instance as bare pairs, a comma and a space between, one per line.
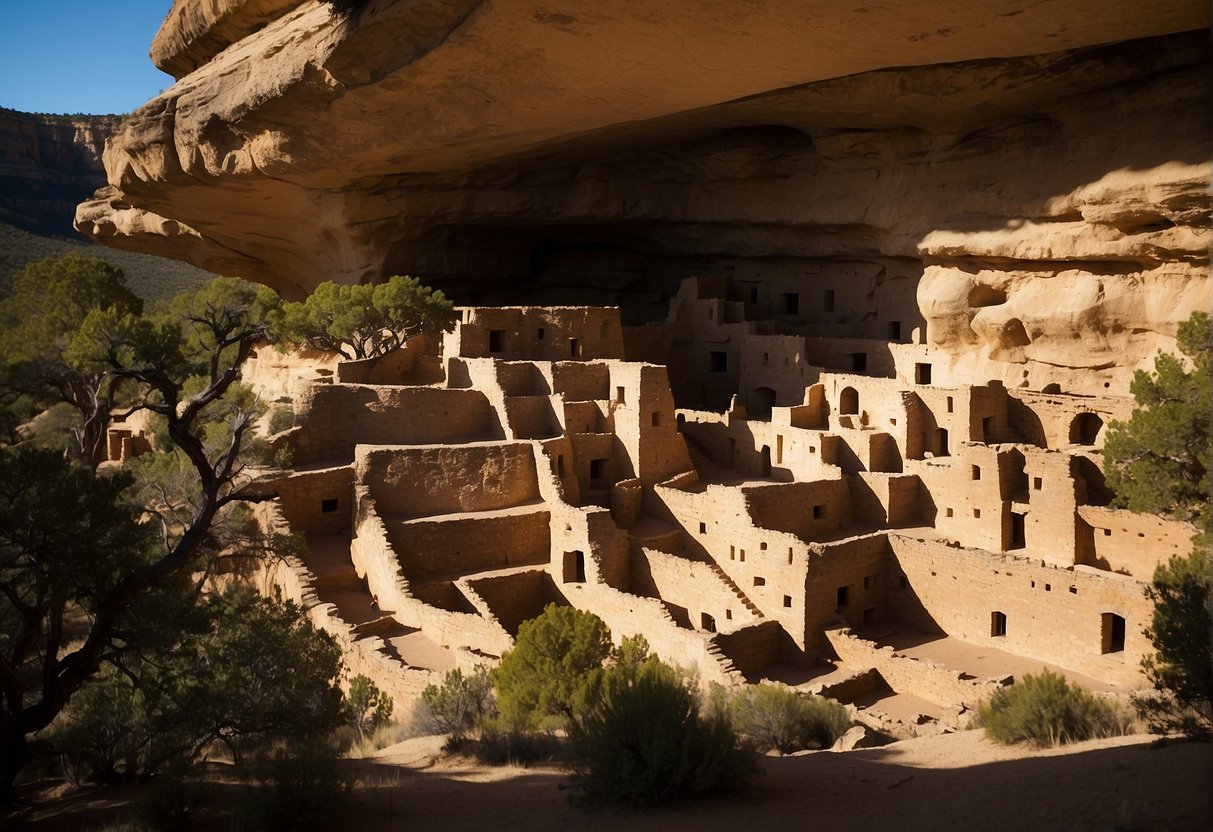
290, 577
514, 598
374, 559
469, 544
694, 586
906, 674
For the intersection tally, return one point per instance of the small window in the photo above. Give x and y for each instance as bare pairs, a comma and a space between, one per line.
759, 581
842, 596
1048, 587
977, 513
998, 624
859, 362
827, 301
329, 505
947, 512
922, 373
1107, 532
703, 528
819, 512
790, 303
575, 347
894, 330
976, 472
728, 614
496, 340
787, 601
732, 553
656, 418
620, 395
741, 555
789, 557
951, 404
1037, 483
707, 622
539, 333
597, 467
718, 361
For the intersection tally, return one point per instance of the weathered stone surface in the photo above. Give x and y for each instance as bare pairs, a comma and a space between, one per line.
1034, 204
47, 165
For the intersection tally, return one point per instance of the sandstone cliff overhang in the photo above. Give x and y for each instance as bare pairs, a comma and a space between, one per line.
555, 152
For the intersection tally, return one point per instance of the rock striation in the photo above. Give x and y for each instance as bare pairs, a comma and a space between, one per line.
48, 163
1022, 185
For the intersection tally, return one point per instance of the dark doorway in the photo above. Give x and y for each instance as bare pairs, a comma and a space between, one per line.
574, 567
998, 624
1085, 428
1017, 531
1112, 630
848, 401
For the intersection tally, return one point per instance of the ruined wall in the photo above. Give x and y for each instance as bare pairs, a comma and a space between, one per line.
1052, 614
446, 479
471, 543
1130, 543
317, 502
333, 418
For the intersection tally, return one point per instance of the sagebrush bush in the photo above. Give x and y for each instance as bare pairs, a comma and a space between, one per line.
461, 702
1045, 710
776, 717
647, 741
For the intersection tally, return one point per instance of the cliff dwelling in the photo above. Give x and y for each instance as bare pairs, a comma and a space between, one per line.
796, 360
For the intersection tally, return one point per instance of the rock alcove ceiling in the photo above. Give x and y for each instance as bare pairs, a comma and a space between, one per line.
1029, 182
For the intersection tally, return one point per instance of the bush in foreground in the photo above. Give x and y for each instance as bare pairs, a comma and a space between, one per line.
647, 741
1046, 710
776, 717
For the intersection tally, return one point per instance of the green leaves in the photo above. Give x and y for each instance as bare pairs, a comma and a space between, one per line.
1160, 460
555, 666
365, 321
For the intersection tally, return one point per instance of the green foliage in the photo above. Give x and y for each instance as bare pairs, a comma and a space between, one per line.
249, 669
1046, 710
460, 703
368, 706
281, 418
647, 741
365, 321
1159, 461
776, 717
50, 302
555, 666
1181, 669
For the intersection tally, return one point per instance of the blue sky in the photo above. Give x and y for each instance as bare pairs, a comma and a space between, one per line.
78, 56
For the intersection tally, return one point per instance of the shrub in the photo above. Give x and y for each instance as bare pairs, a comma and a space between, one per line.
461, 702
646, 741
555, 666
775, 717
281, 418
291, 787
1181, 668
368, 706
1047, 710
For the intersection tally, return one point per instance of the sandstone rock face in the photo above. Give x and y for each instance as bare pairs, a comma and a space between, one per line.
48, 164
1027, 183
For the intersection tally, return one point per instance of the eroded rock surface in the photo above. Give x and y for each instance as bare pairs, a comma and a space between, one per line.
1025, 184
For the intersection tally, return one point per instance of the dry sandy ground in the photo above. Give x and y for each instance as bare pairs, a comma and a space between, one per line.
951, 782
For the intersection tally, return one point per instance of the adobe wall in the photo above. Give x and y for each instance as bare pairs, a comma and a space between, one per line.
557, 333
807, 510
317, 502
692, 586
963, 497
375, 560
1049, 418
1133, 544
1052, 614
884, 500
908, 674
463, 545
645, 423
778, 363
515, 598
857, 565
276, 376
335, 417
425, 480
414, 363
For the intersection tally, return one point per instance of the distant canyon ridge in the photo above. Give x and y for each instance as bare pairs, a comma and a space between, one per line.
1027, 182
